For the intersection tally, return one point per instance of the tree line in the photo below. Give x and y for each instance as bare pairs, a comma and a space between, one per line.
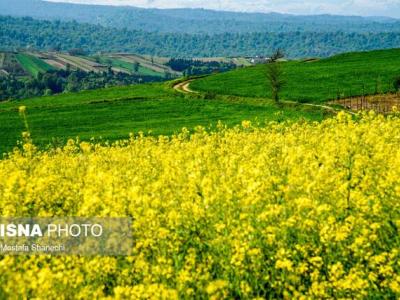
46, 35
192, 21
62, 81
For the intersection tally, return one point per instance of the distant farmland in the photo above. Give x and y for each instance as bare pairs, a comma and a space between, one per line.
119, 65
148, 64
32, 64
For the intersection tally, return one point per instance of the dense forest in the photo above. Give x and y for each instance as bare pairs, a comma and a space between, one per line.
193, 20
55, 82
35, 34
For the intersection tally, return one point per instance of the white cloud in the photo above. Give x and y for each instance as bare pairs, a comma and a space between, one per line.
343, 7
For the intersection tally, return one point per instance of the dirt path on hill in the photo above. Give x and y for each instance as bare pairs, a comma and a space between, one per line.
326, 107
184, 87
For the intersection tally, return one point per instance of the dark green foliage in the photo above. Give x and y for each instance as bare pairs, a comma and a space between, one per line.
24, 32
275, 79
136, 67
54, 82
193, 20
275, 74
278, 54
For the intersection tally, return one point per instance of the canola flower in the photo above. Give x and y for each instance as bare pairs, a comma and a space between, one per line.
293, 211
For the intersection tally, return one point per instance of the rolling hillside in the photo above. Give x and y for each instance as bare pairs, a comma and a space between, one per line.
27, 74
340, 76
96, 38
192, 21
114, 113
35, 62
196, 154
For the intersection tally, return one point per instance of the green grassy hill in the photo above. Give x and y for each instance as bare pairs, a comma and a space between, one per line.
114, 113
314, 81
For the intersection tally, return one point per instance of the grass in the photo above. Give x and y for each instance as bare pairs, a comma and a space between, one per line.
32, 64
114, 113
157, 109
317, 81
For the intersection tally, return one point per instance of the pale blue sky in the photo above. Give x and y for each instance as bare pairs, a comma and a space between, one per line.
343, 7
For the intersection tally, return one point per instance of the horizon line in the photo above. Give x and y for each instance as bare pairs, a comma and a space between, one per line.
73, 2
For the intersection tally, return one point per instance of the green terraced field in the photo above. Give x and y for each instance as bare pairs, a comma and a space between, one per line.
317, 81
129, 66
114, 113
32, 64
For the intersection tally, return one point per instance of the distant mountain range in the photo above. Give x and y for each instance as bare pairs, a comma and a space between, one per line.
193, 21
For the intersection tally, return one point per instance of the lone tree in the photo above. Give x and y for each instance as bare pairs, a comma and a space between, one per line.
136, 67
275, 73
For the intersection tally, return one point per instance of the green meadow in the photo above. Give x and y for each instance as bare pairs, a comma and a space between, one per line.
341, 76
114, 113
157, 109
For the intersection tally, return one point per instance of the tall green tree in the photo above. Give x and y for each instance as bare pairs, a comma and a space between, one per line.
275, 74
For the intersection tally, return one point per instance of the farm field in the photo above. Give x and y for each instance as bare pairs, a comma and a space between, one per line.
243, 213
239, 61
10, 65
244, 175
35, 62
114, 113
280, 200
51, 59
148, 63
128, 67
341, 76
81, 63
32, 64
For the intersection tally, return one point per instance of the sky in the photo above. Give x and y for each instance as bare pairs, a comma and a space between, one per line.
388, 8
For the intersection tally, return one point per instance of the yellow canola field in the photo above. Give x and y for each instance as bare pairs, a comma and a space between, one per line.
295, 211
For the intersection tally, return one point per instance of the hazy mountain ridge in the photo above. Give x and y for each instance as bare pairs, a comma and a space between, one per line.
27, 32
193, 20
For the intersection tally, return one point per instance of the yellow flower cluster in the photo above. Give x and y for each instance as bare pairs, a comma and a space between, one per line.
295, 211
